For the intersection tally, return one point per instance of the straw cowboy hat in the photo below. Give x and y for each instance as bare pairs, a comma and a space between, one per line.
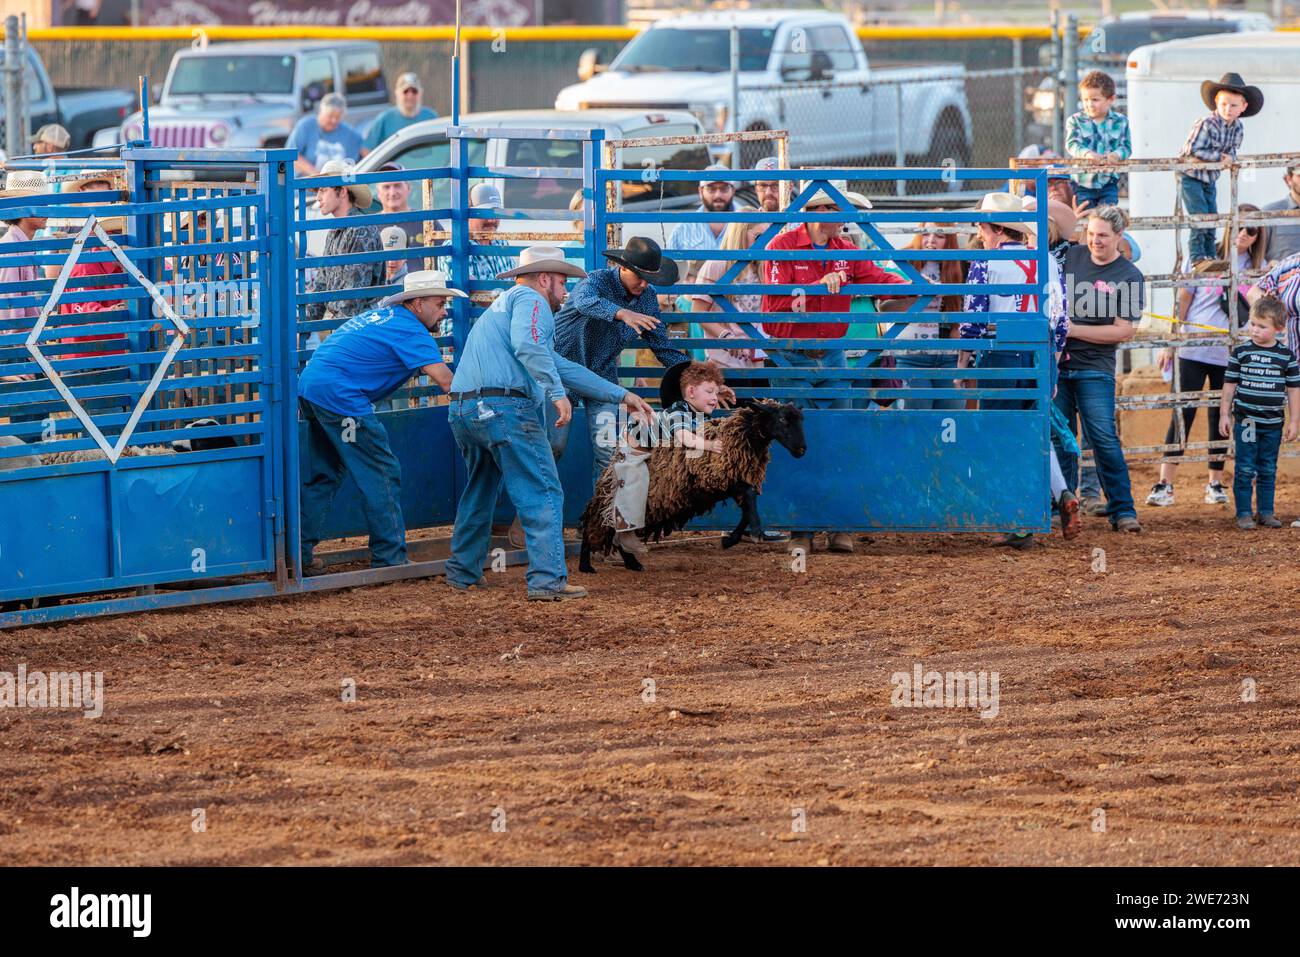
645, 258
362, 197
423, 282
1233, 83
1006, 203
25, 182
115, 178
1057, 212
543, 259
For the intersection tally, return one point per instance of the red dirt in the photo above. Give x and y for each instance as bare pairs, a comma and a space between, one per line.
1119, 690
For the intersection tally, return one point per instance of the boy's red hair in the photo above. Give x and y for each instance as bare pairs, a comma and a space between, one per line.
699, 372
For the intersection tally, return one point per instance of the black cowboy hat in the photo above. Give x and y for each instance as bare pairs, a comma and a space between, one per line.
646, 259
1233, 83
670, 386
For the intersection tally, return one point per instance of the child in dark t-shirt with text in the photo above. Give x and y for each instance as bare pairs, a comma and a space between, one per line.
1261, 390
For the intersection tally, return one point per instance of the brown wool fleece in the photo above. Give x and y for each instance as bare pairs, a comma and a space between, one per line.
682, 485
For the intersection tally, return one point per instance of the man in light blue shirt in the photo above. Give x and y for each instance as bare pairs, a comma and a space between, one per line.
718, 196
324, 137
409, 94
507, 371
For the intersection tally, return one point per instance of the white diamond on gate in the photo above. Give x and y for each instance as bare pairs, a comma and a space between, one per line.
112, 452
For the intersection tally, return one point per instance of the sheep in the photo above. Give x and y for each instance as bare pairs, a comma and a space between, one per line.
95, 454
685, 484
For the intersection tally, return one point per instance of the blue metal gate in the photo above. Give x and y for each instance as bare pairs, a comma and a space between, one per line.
107, 369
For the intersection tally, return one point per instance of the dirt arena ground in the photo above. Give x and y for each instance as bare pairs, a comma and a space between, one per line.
1120, 692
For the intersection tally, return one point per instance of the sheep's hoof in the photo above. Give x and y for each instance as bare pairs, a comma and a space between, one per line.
631, 562
584, 565
729, 541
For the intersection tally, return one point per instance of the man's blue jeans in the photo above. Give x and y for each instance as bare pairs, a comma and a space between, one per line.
1097, 196
831, 359
338, 446
558, 439
510, 445
1199, 197
1256, 464
1090, 395
920, 360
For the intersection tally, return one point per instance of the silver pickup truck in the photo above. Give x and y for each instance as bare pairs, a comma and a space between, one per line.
250, 95
799, 70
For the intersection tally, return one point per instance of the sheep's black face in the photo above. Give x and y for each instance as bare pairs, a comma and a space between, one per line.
787, 428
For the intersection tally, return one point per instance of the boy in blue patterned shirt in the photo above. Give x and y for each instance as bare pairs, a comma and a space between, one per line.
1261, 390
1214, 138
1097, 132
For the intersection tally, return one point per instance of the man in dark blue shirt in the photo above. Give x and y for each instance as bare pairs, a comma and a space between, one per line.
608, 311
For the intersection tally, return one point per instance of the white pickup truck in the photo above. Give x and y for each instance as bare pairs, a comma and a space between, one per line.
801, 71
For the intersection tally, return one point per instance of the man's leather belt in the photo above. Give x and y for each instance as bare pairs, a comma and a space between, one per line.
490, 393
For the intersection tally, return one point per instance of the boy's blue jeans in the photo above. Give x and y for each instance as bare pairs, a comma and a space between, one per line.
338, 446
1256, 463
509, 445
1199, 197
1090, 395
1096, 196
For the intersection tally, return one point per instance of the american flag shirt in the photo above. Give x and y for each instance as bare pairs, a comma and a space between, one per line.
999, 272
1283, 281
1209, 139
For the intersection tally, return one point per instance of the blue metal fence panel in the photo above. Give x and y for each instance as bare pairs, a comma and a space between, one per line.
100, 526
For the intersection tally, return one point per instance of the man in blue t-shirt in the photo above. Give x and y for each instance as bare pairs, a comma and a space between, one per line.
409, 95
324, 137
362, 362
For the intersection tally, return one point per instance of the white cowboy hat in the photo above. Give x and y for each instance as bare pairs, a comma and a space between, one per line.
543, 259
423, 282
25, 182
823, 198
362, 196
1006, 203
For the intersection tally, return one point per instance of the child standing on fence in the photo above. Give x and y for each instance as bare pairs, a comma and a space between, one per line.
1260, 389
1097, 132
1215, 137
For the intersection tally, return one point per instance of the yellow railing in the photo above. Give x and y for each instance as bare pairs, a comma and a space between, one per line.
523, 34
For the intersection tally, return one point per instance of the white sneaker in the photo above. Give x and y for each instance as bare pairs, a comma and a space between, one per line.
1216, 494
1162, 493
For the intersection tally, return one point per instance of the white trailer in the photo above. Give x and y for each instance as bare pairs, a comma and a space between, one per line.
1164, 95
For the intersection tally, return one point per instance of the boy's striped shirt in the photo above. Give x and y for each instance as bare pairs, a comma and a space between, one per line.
1262, 374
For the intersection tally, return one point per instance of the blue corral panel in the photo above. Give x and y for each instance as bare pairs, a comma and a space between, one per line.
55, 530
891, 471
167, 513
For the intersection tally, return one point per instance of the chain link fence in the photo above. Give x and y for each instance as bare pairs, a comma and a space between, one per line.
939, 117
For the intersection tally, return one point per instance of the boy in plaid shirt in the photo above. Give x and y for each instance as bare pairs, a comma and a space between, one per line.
1215, 137
1097, 132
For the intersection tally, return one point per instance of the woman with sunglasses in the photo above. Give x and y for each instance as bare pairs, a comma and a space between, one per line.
1204, 308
